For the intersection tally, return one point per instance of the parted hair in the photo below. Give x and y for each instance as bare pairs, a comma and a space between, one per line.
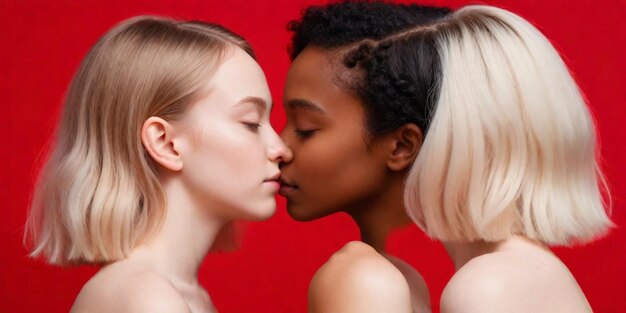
98, 194
343, 25
509, 142
511, 147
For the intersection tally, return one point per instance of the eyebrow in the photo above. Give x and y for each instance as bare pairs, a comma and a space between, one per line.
260, 102
305, 104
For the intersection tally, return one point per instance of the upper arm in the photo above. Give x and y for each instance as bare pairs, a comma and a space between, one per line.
357, 279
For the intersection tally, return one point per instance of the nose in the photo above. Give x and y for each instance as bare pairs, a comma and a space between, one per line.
278, 151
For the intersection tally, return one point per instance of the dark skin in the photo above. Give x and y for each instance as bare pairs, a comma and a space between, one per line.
337, 166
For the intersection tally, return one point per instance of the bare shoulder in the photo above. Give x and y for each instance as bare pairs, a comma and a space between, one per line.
127, 289
513, 281
420, 296
358, 279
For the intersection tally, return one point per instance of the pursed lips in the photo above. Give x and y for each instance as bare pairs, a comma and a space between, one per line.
286, 187
275, 177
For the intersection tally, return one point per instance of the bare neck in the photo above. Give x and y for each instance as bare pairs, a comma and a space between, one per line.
186, 235
463, 252
382, 215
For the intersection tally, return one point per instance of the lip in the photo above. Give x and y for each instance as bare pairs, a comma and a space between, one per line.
275, 177
274, 184
287, 188
273, 181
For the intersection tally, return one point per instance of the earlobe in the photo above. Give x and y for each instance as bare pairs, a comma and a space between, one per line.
156, 136
406, 142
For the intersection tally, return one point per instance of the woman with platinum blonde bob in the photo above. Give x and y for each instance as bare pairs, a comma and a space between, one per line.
163, 142
508, 162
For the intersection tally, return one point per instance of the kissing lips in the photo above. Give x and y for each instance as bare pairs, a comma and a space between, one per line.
273, 181
287, 188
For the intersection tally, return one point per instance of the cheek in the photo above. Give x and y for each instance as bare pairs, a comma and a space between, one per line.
226, 163
236, 157
337, 172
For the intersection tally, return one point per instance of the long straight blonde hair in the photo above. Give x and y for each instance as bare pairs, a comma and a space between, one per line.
98, 195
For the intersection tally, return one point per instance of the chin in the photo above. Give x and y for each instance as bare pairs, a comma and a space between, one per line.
301, 214
264, 214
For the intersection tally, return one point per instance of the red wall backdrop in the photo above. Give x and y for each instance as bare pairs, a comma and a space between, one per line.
42, 43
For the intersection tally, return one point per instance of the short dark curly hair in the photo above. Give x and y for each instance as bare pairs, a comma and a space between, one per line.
395, 90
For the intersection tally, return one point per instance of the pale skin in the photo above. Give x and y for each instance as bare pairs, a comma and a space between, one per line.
514, 275
231, 117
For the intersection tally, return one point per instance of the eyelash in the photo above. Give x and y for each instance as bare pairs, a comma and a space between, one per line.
253, 127
304, 134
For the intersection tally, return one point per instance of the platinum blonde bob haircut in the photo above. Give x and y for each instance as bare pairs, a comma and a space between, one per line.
509, 143
98, 194
511, 146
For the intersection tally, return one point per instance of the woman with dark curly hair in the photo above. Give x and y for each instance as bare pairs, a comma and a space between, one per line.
499, 145
352, 153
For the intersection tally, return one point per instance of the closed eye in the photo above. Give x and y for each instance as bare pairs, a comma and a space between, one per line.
301, 133
253, 127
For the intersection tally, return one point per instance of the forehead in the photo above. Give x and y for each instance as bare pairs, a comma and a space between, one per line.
315, 75
314, 65
313, 58
239, 76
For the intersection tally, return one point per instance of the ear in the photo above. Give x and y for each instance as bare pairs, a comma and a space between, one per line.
156, 136
405, 143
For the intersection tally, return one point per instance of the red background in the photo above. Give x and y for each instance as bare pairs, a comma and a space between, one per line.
42, 43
